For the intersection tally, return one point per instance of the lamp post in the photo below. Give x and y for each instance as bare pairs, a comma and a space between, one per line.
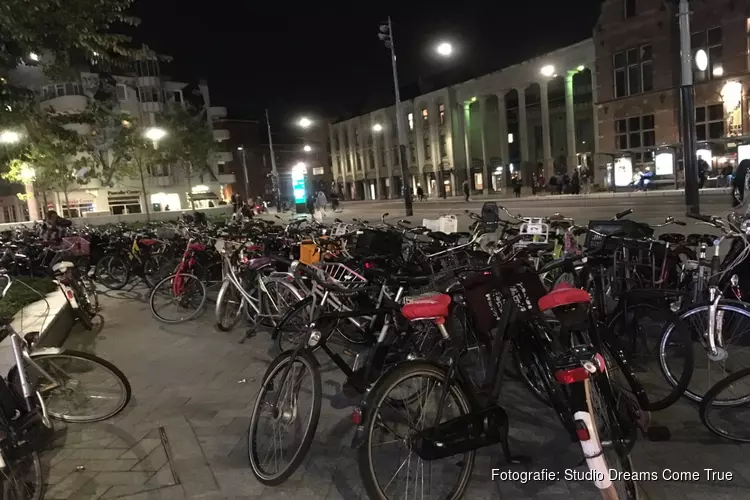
154, 134
386, 35
274, 172
241, 149
687, 114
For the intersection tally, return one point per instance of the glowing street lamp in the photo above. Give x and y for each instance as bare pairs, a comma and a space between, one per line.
444, 49
701, 60
377, 128
9, 137
307, 148
305, 122
34, 56
548, 70
27, 173
155, 134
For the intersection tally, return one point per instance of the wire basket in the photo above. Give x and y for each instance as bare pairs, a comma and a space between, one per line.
622, 228
342, 276
77, 246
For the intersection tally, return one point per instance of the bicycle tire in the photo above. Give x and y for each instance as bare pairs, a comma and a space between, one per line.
708, 405
82, 310
278, 333
219, 311
153, 267
106, 263
682, 335
277, 365
39, 486
378, 394
14, 381
192, 315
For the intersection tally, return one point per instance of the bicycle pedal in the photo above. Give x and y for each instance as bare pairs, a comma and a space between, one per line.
658, 433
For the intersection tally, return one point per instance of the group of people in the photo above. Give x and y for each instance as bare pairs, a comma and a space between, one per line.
247, 208
317, 202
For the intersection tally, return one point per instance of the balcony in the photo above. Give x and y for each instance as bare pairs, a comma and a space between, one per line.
221, 135
80, 128
227, 179
152, 107
66, 104
223, 157
148, 81
217, 112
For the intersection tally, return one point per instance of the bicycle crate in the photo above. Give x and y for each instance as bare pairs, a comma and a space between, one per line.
77, 246
622, 228
342, 276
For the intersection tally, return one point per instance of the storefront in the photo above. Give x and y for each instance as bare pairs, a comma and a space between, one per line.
165, 202
124, 202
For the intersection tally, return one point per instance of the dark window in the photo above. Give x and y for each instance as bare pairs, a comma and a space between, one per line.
709, 41
427, 147
443, 151
635, 132
629, 8
633, 71
709, 122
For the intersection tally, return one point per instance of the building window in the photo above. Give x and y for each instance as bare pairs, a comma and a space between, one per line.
709, 122
441, 110
149, 94
710, 41
61, 90
410, 117
425, 116
396, 153
77, 208
124, 204
359, 161
122, 92
427, 147
635, 132
412, 154
633, 71
628, 8
443, 148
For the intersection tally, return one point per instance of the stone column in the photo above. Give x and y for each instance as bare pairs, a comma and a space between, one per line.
388, 141
546, 144
523, 130
418, 136
437, 158
466, 120
352, 190
594, 105
570, 121
377, 141
448, 132
504, 145
482, 134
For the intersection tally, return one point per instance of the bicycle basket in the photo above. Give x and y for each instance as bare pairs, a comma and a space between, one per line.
342, 276
622, 228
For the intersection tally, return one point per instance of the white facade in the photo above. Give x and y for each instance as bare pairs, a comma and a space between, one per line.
464, 132
143, 96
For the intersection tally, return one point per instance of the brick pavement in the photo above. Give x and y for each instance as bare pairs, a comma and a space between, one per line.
184, 434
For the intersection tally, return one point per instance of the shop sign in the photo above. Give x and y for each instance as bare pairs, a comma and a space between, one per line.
123, 193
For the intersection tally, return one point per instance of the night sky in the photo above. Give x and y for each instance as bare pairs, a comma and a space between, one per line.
325, 59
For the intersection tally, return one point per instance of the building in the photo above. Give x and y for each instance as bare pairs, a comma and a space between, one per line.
638, 72
533, 118
243, 142
144, 94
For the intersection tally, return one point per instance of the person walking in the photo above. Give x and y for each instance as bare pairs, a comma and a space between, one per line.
534, 184
420, 193
322, 202
517, 185
575, 183
466, 190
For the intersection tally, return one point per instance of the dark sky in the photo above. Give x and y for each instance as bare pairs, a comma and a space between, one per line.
324, 58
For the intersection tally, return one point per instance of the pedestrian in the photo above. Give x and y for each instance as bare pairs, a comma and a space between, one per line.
553, 184
420, 192
542, 183
466, 190
322, 202
534, 184
703, 170
310, 204
166, 208
575, 183
517, 185
739, 182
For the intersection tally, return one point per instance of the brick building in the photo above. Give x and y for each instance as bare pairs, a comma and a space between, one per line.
638, 78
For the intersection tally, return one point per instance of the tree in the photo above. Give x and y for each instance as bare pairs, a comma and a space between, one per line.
61, 28
189, 142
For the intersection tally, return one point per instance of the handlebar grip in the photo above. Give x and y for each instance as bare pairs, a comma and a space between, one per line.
701, 217
680, 223
624, 213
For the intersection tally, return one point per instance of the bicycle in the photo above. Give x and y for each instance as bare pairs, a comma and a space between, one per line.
114, 270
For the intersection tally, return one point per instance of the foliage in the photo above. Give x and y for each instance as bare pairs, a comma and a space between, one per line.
20, 296
62, 28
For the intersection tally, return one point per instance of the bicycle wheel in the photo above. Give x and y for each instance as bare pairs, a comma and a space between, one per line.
74, 373
183, 295
113, 271
22, 478
635, 345
293, 326
615, 433
229, 307
280, 298
285, 416
733, 320
391, 413
83, 311
730, 422
155, 269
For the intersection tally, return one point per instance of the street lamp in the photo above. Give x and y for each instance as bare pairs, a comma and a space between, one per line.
305, 122
9, 137
241, 149
444, 49
34, 56
307, 148
155, 133
547, 70
701, 59
377, 128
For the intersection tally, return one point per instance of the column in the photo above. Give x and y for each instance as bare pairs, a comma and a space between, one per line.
448, 131
437, 158
388, 141
333, 139
570, 121
546, 144
467, 140
482, 134
523, 129
353, 162
419, 144
377, 138
594, 105
504, 145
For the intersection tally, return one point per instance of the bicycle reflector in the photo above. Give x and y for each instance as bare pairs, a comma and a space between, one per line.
357, 415
314, 339
572, 375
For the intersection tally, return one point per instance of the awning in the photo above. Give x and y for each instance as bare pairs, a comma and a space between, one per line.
203, 196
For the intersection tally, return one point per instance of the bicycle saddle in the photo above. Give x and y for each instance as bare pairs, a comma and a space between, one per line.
696, 239
673, 238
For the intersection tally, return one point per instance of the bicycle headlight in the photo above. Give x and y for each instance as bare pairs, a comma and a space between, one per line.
314, 339
745, 226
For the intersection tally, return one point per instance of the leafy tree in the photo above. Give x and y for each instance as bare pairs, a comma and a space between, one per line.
61, 28
189, 142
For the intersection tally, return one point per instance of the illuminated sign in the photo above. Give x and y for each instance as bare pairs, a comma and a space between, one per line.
664, 164
298, 184
623, 171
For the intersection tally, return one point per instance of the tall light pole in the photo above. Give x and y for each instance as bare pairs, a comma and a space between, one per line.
154, 134
274, 172
687, 113
9, 138
386, 35
241, 149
